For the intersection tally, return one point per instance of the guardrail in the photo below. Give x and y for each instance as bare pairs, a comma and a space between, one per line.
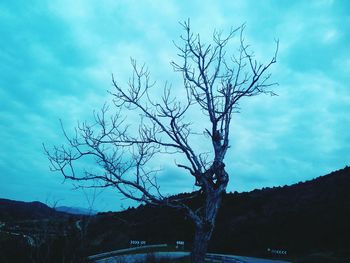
120, 251
223, 258
210, 256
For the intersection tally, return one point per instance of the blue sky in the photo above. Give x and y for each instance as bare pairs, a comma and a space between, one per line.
57, 58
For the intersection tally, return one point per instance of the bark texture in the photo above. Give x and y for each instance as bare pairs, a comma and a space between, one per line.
205, 224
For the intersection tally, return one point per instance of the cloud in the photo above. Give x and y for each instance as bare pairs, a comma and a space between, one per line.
58, 58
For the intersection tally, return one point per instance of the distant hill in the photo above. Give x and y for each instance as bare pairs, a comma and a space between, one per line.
18, 210
305, 219
34, 232
76, 210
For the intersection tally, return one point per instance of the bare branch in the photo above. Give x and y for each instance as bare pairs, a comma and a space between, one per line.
116, 151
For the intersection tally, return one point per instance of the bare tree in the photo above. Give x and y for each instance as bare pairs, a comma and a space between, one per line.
214, 82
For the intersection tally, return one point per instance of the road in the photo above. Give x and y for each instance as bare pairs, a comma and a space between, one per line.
241, 259
116, 253
133, 258
29, 239
78, 224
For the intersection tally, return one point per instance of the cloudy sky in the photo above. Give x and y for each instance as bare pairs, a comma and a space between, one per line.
57, 57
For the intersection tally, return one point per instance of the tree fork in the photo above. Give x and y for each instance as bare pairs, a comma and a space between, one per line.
213, 86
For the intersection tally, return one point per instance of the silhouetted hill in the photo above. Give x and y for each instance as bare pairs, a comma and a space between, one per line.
309, 219
18, 210
304, 218
76, 210
34, 232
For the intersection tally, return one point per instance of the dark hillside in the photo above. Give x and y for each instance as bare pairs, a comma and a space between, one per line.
302, 218
305, 218
34, 232
18, 210
308, 220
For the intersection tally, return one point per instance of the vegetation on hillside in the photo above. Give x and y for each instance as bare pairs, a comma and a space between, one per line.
308, 220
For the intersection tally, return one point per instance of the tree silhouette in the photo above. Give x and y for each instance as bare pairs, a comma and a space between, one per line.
214, 82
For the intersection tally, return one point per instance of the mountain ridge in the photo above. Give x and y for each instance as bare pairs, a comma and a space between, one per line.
302, 219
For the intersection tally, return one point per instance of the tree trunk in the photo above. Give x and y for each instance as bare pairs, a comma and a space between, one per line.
200, 243
205, 227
